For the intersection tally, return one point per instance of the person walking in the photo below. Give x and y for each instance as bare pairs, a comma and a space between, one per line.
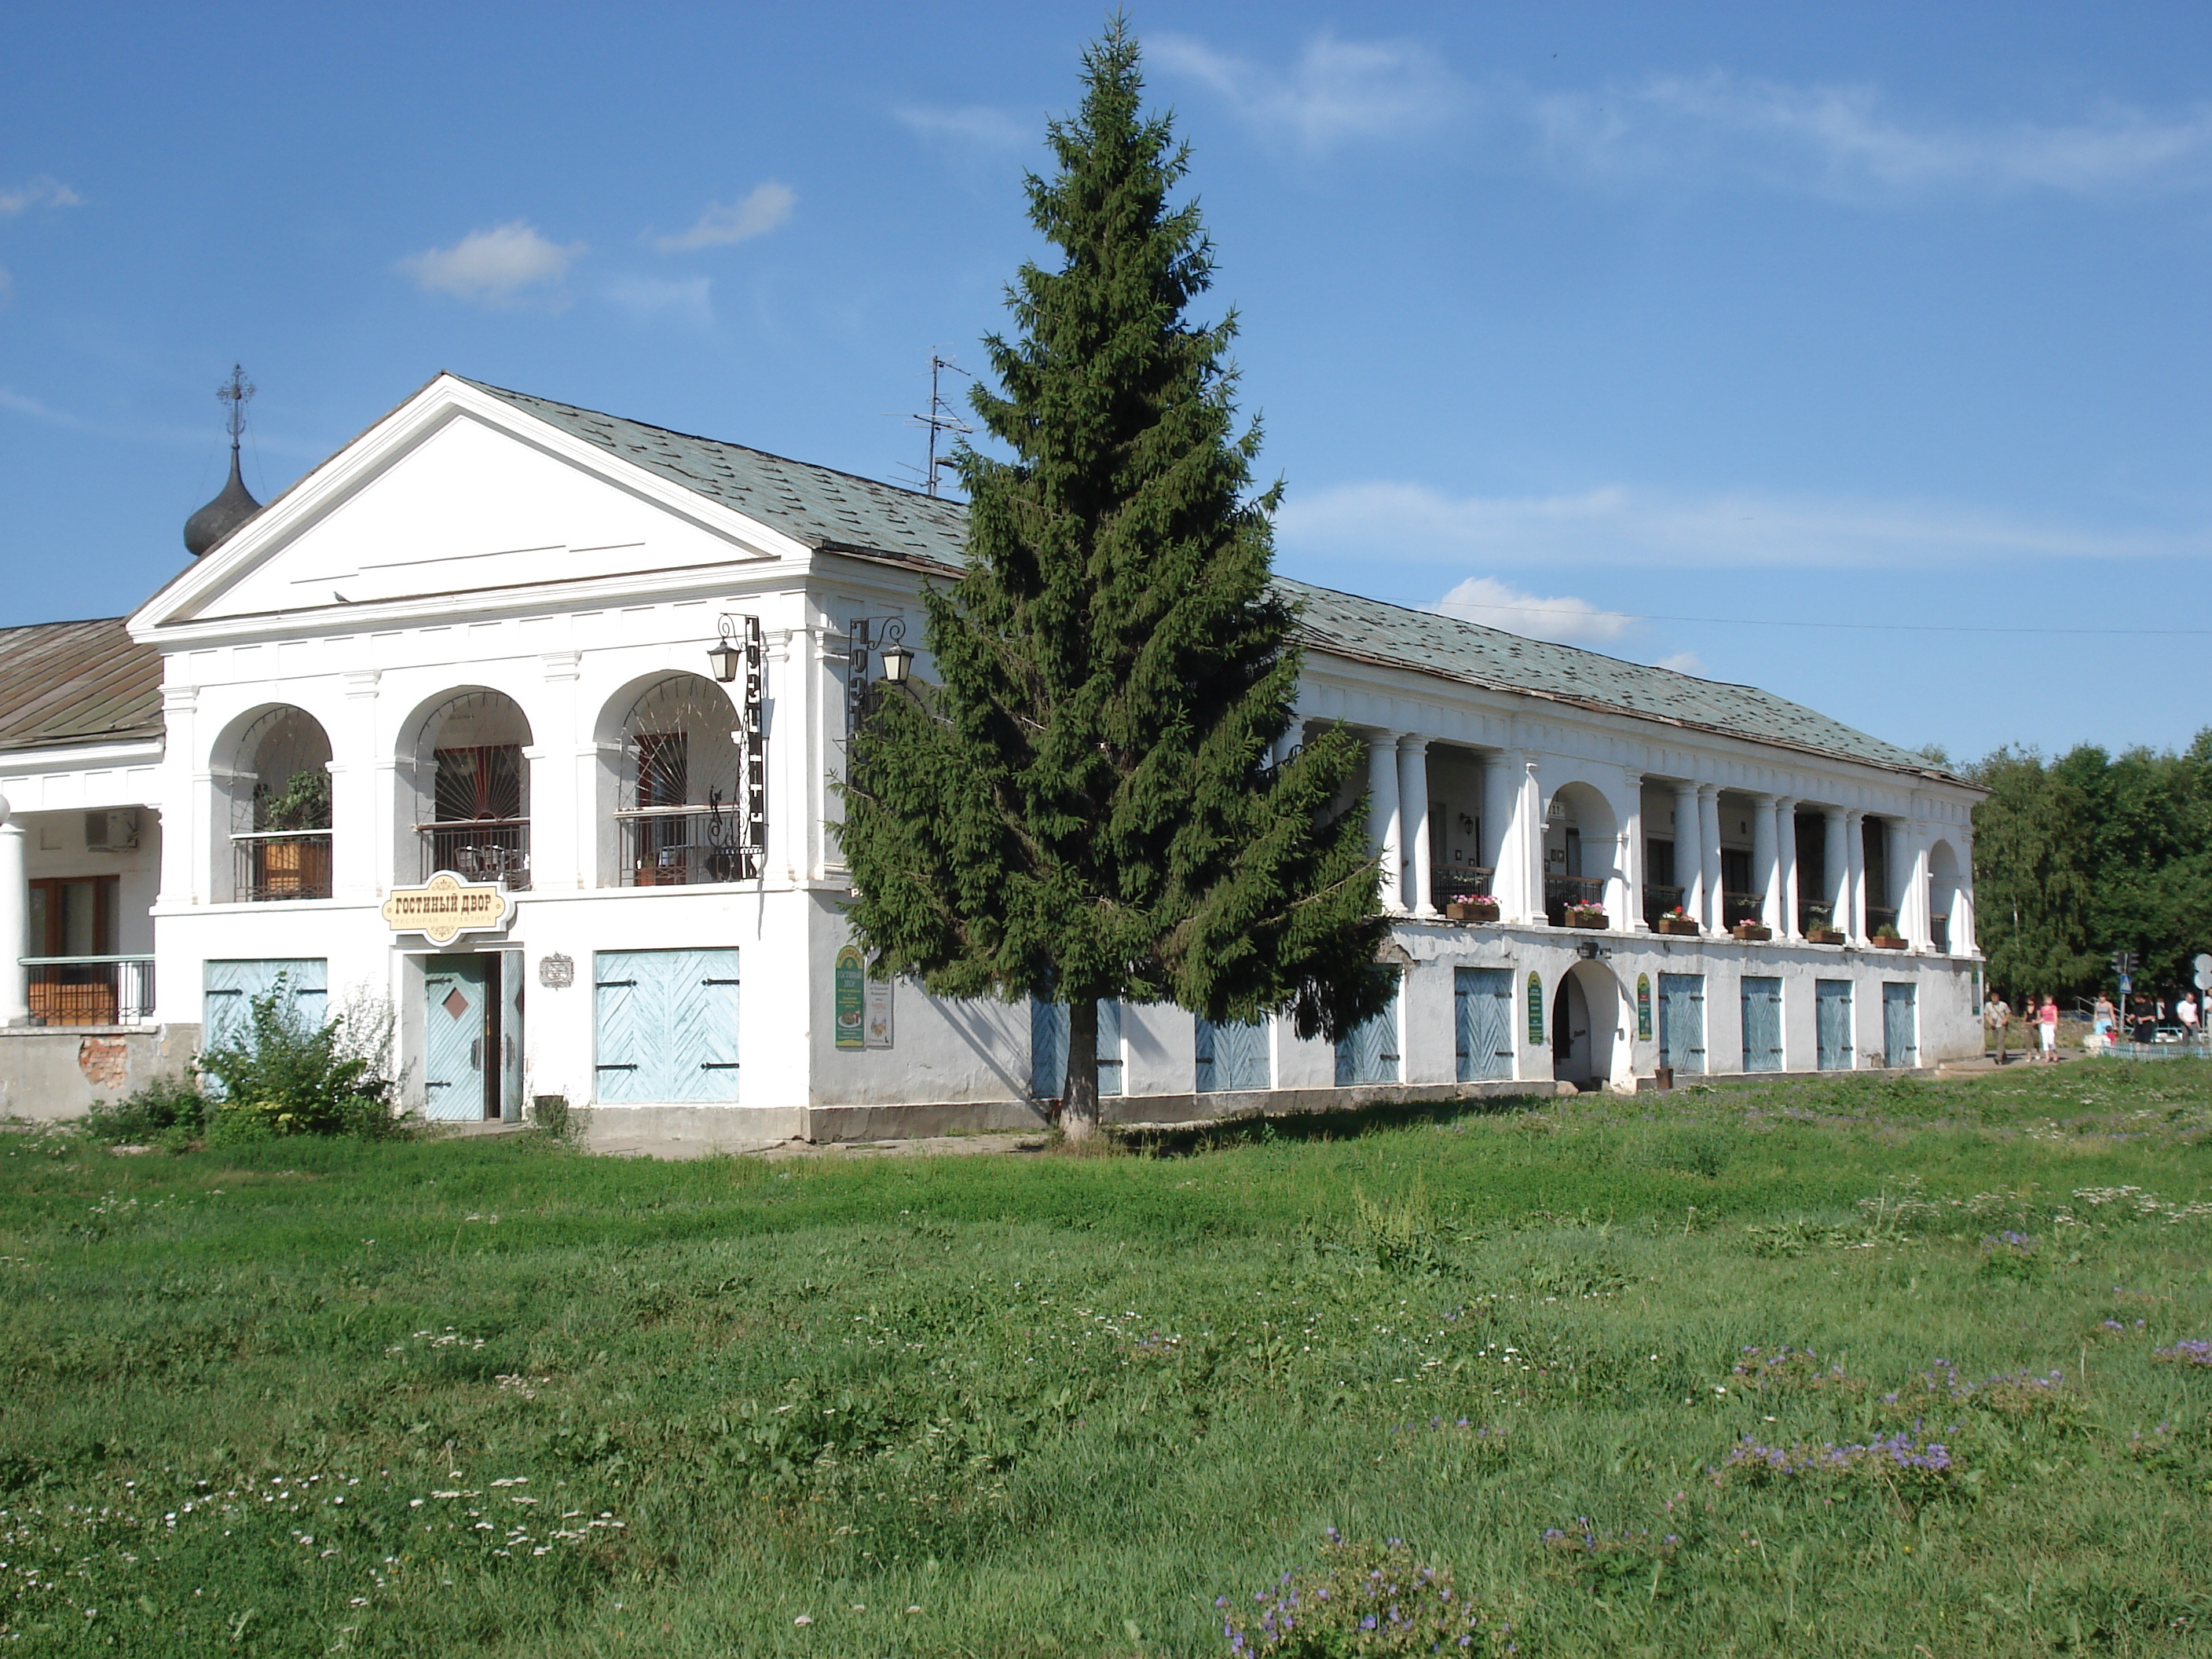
1996, 1014
2046, 1028
2186, 1011
2106, 1015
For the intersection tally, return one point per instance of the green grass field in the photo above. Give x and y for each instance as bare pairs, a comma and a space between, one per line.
498, 1397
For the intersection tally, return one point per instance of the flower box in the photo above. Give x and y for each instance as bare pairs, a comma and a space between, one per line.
1824, 935
1589, 916
1472, 909
1891, 943
1751, 932
1680, 926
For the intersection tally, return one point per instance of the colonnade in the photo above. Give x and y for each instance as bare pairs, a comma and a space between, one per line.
1512, 834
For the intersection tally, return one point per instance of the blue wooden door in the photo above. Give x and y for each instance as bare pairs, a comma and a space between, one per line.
1232, 1056
667, 1026
1900, 1026
456, 1029
510, 1035
1762, 1024
228, 990
1048, 1048
1682, 1022
1831, 1025
1368, 1052
1483, 1022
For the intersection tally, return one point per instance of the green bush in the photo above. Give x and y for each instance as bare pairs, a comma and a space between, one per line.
284, 1075
155, 1112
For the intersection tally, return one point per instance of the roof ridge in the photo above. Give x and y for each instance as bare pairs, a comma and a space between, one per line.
702, 438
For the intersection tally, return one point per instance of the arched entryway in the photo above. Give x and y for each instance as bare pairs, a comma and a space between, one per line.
1589, 1038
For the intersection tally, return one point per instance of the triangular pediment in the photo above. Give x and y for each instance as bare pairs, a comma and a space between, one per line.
453, 497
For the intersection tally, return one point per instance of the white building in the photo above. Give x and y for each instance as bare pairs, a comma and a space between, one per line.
478, 640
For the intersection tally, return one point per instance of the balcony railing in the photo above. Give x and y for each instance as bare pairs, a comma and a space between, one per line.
1877, 914
273, 865
1561, 892
1449, 883
1811, 914
90, 990
1742, 907
1658, 901
485, 849
684, 846
1939, 929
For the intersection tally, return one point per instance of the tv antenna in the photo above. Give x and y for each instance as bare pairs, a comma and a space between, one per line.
940, 419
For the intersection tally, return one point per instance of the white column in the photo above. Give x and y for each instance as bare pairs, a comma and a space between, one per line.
186, 811
1766, 862
1708, 844
1689, 858
1494, 850
1630, 916
1785, 865
355, 827
1529, 817
563, 818
1963, 942
1855, 884
1908, 881
1413, 809
1382, 813
14, 923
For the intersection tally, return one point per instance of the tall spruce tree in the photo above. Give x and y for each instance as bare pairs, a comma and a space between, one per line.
1085, 807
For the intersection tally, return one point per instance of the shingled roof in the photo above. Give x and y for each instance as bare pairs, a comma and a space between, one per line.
837, 512
76, 682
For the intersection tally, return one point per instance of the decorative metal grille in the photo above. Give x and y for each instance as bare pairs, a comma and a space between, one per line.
693, 805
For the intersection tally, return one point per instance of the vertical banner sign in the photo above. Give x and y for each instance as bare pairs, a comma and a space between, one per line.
1643, 1007
1536, 1009
879, 1012
850, 981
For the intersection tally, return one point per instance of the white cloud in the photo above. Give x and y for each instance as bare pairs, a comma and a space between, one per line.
1564, 619
651, 299
1337, 91
978, 124
493, 266
38, 192
1682, 662
1614, 525
1842, 141
203, 436
766, 207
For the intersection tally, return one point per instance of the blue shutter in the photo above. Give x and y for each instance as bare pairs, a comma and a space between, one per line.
667, 1026
1831, 1025
1482, 1022
228, 990
1110, 1048
1900, 1037
1048, 1049
1762, 1024
1368, 1052
1682, 1022
1233, 1055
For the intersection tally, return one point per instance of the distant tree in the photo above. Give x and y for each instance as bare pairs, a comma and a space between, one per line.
1085, 808
2087, 854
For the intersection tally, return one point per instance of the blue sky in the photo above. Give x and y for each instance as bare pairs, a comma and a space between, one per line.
1663, 330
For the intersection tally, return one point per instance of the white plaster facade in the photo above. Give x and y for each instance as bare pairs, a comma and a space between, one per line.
465, 553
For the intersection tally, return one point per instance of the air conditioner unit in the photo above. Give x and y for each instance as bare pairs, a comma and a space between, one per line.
111, 832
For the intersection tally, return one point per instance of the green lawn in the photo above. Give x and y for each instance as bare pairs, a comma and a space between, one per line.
498, 1397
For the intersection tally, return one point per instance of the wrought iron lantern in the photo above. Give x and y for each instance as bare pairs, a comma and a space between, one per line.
896, 662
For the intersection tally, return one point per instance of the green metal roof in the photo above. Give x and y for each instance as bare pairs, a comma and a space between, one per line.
837, 512
812, 504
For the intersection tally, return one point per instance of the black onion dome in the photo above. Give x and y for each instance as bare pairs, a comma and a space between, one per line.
213, 522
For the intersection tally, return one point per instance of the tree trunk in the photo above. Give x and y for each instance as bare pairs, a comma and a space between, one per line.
1078, 1094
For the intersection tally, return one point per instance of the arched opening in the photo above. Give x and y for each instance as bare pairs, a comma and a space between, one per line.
683, 811
1948, 900
1580, 855
279, 788
1587, 1032
473, 788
